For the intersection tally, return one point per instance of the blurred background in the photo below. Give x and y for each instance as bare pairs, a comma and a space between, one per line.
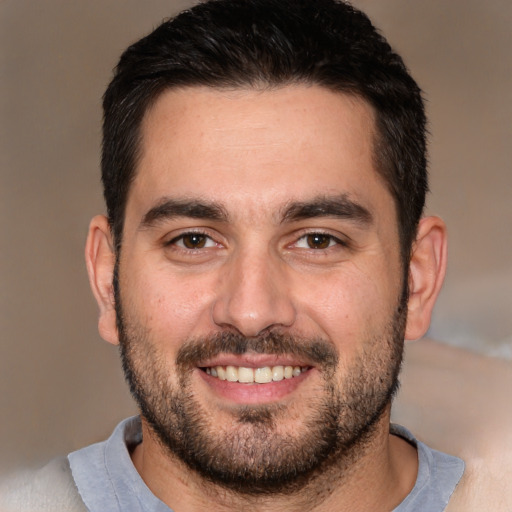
60, 385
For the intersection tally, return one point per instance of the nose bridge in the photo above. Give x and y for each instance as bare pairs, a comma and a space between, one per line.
254, 294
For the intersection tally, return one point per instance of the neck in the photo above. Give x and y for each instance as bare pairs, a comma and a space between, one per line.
377, 475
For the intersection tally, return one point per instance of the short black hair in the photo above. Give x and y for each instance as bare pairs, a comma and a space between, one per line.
267, 44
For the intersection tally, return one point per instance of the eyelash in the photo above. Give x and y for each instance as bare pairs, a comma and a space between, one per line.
183, 236
331, 240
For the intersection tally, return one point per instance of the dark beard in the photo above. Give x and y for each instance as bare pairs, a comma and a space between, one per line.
256, 458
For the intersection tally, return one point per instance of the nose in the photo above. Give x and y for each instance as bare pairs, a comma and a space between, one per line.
254, 295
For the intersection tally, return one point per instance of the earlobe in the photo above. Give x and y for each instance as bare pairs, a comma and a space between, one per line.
426, 274
100, 260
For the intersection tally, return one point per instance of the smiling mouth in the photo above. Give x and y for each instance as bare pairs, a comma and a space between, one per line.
262, 375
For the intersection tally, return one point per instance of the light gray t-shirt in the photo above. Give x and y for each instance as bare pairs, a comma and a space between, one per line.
108, 481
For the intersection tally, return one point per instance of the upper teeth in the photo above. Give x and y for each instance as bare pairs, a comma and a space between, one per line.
259, 375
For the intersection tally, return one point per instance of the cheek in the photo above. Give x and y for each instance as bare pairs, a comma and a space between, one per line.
171, 305
349, 304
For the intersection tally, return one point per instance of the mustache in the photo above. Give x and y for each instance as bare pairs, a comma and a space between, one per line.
316, 352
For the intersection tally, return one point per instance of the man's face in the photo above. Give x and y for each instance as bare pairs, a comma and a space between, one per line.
260, 241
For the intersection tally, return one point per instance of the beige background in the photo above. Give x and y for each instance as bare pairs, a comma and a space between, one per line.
60, 385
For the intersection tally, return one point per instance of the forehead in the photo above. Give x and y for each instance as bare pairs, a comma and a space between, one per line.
253, 146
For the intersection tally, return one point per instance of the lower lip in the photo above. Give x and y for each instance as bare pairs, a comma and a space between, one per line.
253, 393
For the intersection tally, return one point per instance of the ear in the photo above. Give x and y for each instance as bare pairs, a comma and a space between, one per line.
426, 274
100, 260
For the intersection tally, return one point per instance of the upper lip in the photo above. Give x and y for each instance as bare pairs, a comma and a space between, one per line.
253, 360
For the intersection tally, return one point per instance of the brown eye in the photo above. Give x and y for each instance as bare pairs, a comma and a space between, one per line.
318, 241
193, 240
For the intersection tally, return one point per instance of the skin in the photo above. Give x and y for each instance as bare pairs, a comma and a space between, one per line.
254, 153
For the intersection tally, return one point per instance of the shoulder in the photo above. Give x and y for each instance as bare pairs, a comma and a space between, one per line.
482, 487
458, 402
49, 489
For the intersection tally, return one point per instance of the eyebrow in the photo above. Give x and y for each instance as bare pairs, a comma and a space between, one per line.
341, 207
324, 206
169, 209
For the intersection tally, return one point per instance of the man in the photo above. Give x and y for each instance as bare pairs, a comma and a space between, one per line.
262, 261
